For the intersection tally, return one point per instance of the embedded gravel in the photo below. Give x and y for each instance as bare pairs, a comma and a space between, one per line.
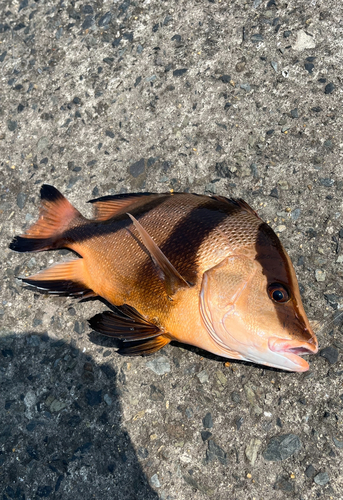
241, 98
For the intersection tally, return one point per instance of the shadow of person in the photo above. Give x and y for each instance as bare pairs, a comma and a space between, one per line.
61, 434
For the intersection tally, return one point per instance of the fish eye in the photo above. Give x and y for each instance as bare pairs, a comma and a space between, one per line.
278, 292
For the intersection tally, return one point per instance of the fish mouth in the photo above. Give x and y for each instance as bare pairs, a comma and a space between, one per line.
293, 350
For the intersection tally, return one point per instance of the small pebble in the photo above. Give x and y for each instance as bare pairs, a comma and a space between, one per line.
205, 435
155, 481
274, 65
320, 275
57, 406
159, 365
295, 214
303, 41
108, 399
330, 353
225, 78
137, 168
309, 67
337, 442
11, 125
235, 397
252, 450
310, 471
215, 451
284, 484
21, 200
327, 182
189, 412
238, 422
282, 447
256, 38
203, 377
240, 66
180, 72
245, 86
105, 19
329, 88
322, 478
207, 421
274, 193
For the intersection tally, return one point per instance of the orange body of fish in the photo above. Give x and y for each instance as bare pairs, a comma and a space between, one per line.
205, 271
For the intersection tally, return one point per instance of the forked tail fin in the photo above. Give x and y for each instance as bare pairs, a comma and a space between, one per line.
55, 216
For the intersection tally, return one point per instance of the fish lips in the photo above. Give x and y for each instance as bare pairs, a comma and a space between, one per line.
293, 350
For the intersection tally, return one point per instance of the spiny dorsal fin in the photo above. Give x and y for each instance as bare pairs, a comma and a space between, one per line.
239, 202
112, 206
172, 278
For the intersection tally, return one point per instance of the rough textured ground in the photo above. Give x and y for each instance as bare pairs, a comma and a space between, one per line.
240, 98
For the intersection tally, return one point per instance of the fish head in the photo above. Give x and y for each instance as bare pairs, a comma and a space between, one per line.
251, 306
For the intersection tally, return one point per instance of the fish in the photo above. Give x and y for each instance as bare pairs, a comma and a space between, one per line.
201, 270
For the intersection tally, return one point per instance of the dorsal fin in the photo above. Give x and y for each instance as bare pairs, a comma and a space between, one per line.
239, 202
112, 206
171, 277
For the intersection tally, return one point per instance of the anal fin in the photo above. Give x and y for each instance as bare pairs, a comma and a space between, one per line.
67, 278
144, 348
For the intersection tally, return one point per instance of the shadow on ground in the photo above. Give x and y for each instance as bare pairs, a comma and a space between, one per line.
61, 434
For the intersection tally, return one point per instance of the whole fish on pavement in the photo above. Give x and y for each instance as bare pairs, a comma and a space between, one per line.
205, 271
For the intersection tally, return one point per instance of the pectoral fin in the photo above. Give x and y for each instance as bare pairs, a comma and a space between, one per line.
171, 277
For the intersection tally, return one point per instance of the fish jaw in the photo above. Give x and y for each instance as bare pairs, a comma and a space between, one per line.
292, 350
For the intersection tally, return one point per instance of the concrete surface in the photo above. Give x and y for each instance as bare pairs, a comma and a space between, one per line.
240, 98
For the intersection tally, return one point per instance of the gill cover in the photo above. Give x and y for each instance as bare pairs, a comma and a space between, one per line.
221, 288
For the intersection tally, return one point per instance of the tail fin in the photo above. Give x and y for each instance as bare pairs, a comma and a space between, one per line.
55, 216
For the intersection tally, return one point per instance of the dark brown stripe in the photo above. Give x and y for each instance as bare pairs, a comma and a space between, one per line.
92, 228
276, 267
182, 245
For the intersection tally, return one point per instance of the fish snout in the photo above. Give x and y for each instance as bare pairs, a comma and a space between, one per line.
297, 347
